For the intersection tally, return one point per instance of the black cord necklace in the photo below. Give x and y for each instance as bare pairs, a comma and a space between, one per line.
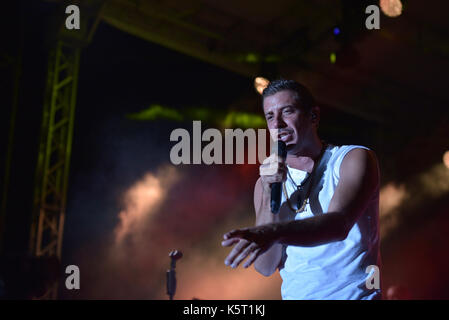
303, 183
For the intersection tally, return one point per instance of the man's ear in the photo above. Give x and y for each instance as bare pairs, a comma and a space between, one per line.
315, 115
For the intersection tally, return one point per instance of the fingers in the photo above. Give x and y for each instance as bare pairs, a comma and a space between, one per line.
236, 233
245, 246
230, 242
236, 251
273, 169
253, 256
274, 161
273, 158
279, 176
244, 254
240, 252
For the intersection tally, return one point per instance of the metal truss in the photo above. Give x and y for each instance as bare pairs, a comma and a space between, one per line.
50, 195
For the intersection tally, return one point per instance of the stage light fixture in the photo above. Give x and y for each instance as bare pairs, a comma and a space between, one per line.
446, 159
391, 8
336, 31
260, 83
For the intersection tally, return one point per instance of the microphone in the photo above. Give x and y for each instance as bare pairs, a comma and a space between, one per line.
280, 149
171, 273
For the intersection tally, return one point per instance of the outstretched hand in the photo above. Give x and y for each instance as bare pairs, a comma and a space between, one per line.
249, 243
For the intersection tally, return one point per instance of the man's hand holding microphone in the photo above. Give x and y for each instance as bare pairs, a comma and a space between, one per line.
253, 242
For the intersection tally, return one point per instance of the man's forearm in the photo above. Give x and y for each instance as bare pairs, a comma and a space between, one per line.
268, 262
311, 231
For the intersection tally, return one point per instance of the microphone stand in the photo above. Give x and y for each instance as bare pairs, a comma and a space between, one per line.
171, 273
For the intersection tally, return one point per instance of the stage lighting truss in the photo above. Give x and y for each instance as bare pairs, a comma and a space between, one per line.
52, 172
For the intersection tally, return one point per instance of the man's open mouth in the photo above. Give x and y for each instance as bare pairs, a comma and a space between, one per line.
284, 136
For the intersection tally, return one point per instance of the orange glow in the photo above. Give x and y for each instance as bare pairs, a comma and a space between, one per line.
208, 278
434, 182
391, 8
430, 184
142, 200
391, 197
446, 159
202, 273
260, 83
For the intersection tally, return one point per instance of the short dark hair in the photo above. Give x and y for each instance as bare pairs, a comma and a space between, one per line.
303, 96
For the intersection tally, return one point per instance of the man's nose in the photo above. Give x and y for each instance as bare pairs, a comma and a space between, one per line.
279, 123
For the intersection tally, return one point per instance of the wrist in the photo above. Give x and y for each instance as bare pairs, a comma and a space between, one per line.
276, 232
267, 217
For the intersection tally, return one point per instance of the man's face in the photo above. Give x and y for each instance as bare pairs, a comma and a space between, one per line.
283, 113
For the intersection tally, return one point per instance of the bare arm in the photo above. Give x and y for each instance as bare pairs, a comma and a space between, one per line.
268, 258
268, 262
359, 179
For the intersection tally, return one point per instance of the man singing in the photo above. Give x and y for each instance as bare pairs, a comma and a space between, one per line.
325, 238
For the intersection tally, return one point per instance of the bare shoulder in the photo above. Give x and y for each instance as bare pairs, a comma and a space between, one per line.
360, 162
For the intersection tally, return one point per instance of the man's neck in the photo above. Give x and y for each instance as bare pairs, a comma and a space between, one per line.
305, 158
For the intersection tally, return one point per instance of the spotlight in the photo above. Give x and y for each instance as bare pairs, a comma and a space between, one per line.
446, 159
260, 83
391, 8
336, 31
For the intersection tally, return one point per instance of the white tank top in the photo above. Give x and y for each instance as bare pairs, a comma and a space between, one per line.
336, 270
